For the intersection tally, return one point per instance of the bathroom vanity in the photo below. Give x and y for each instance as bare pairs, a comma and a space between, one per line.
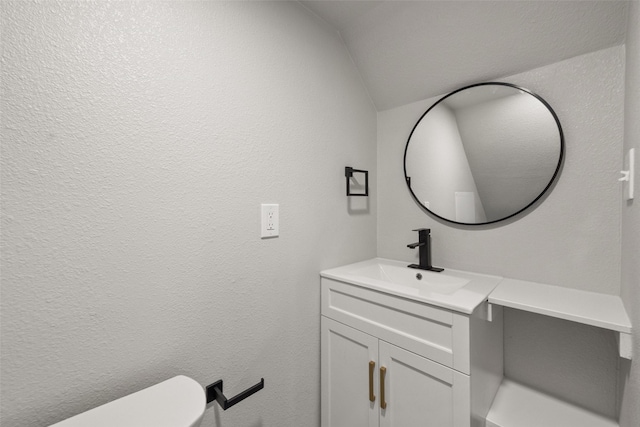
404, 347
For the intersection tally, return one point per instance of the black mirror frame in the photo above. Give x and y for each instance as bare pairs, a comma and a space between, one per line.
542, 193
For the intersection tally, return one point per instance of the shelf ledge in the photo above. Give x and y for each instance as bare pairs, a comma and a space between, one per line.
590, 308
518, 406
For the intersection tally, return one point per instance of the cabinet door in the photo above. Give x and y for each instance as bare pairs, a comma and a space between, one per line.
345, 376
420, 392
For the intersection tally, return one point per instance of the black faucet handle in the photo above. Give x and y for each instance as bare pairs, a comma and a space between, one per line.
428, 230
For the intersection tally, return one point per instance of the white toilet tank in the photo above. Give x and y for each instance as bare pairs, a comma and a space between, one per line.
176, 402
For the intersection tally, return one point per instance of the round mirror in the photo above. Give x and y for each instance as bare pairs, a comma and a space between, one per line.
483, 153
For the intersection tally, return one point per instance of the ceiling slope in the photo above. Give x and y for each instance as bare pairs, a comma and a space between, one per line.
412, 50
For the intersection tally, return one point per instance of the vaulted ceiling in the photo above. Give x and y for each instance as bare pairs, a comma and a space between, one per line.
411, 50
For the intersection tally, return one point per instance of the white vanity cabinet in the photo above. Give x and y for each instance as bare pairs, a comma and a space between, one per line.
390, 361
370, 382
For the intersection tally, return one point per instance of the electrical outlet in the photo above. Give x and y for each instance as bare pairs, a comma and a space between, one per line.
270, 223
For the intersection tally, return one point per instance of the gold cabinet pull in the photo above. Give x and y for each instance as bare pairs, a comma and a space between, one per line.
372, 367
383, 373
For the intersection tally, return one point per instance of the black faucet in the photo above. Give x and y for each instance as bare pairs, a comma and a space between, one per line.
424, 246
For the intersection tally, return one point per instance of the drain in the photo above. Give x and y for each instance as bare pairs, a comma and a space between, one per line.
419, 276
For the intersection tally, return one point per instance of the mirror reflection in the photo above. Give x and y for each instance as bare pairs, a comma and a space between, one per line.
483, 153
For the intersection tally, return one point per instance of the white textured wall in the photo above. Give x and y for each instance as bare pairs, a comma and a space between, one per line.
630, 292
138, 140
571, 239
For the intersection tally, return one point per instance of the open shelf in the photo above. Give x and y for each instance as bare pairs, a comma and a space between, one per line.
590, 308
518, 406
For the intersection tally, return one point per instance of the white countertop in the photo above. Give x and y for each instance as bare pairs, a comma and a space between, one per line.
451, 289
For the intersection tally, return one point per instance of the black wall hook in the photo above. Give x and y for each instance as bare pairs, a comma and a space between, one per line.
214, 392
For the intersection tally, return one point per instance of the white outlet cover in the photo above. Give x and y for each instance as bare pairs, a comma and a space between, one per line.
269, 220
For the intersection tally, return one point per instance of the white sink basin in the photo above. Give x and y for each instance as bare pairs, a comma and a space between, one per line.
420, 280
457, 290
